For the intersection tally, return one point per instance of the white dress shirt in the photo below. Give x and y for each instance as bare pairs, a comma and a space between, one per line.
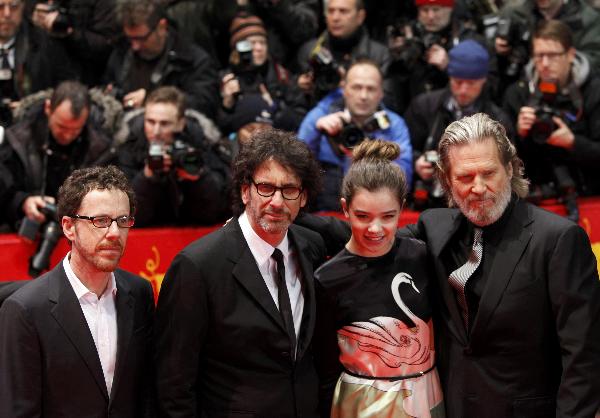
101, 317
262, 252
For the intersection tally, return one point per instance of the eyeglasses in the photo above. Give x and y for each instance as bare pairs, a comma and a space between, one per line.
268, 190
106, 221
141, 38
552, 56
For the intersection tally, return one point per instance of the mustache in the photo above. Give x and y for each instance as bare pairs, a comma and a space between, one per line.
110, 247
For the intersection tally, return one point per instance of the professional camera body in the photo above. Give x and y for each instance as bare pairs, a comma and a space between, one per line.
428, 194
543, 101
351, 135
49, 232
326, 71
417, 41
518, 37
183, 156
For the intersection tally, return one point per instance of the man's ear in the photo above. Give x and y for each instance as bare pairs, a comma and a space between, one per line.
245, 192
68, 226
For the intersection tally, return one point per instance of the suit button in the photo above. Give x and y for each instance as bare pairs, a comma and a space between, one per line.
468, 351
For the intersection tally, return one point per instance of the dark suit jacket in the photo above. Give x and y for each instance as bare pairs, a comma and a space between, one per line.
222, 348
49, 363
534, 348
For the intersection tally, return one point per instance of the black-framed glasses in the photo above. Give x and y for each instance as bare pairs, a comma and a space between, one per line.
142, 38
552, 56
268, 190
106, 221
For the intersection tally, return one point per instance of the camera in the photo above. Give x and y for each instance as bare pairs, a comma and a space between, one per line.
244, 56
416, 41
351, 135
326, 71
518, 37
51, 232
543, 100
428, 193
182, 156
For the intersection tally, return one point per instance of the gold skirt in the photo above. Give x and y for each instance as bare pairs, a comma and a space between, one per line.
357, 397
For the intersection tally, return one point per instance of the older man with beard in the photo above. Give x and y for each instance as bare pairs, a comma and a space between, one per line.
75, 342
518, 320
236, 310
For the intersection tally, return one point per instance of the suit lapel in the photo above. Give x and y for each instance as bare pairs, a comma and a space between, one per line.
515, 238
438, 241
307, 324
68, 314
246, 272
124, 304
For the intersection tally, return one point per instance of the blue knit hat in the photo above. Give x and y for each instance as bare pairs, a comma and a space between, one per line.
468, 60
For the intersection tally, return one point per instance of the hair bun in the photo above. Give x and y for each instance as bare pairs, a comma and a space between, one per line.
376, 149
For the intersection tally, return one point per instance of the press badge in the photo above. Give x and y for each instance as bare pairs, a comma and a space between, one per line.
5, 74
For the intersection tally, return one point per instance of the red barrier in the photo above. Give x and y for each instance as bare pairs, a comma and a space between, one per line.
150, 251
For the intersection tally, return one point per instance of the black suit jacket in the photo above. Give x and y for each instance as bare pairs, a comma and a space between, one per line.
534, 348
49, 363
222, 348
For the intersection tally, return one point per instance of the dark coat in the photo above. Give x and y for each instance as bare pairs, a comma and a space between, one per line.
584, 121
182, 64
222, 347
22, 160
50, 366
163, 199
536, 336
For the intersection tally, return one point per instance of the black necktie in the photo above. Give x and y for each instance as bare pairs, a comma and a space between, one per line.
285, 308
459, 277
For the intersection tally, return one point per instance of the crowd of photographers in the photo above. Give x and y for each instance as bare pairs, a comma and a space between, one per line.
170, 89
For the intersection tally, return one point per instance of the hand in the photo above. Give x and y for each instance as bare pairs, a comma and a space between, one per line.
230, 87
502, 46
42, 17
333, 123
31, 207
167, 163
306, 82
563, 136
424, 168
525, 120
134, 99
437, 56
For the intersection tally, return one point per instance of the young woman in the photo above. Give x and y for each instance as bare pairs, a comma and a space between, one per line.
374, 340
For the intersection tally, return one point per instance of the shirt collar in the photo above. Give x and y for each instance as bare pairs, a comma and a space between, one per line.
79, 288
261, 250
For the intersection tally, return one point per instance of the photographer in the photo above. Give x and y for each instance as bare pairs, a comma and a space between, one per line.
341, 121
519, 20
87, 29
323, 60
29, 60
154, 55
556, 109
430, 113
256, 88
41, 151
419, 48
177, 176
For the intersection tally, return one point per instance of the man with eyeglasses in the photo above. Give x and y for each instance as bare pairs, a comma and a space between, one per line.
154, 55
236, 311
76, 341
556, 111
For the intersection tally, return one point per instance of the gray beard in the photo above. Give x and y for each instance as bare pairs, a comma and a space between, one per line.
486, 218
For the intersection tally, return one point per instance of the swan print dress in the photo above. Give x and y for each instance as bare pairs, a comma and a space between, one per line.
374, 339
